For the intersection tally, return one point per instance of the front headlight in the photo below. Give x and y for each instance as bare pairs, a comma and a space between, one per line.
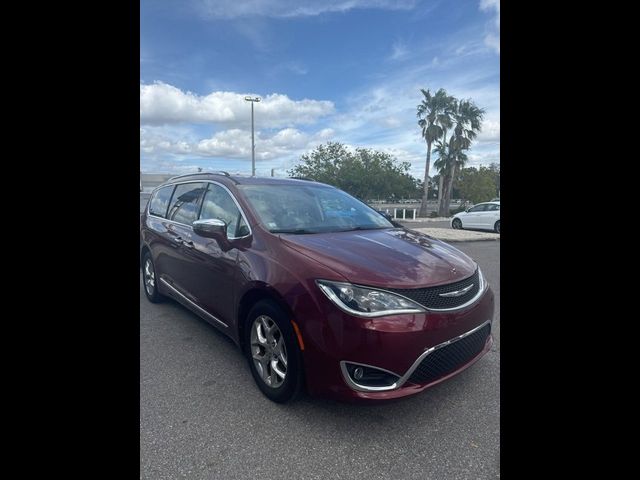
366, 302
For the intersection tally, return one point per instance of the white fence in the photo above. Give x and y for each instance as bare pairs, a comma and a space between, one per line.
396, 212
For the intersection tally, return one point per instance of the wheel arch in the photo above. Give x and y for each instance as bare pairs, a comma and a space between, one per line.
143, 251
253, 295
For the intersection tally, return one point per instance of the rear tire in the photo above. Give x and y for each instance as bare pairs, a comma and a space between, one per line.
457, 224
150, 279
271, 348
496, 227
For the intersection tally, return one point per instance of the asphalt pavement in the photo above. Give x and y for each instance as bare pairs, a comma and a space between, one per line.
203, 417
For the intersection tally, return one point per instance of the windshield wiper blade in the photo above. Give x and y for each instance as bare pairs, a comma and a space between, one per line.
359, 227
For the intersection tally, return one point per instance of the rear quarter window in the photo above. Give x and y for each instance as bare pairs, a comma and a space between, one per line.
160, 201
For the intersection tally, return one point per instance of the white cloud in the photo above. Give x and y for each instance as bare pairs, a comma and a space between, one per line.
490, 132
161, 103
399, 51
233, 144
227, 9
492, 38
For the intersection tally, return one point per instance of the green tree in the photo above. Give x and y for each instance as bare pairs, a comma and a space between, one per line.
467, 120
434, 118
477, 185
366, 174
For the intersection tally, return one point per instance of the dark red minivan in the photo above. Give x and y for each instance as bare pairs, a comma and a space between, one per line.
319, 290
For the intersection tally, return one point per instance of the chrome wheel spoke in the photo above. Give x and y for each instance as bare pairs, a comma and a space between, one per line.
281, 352
276, 372
149, 277
283, 358
259, 329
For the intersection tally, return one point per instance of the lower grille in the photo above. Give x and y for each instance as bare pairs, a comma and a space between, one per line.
447, 359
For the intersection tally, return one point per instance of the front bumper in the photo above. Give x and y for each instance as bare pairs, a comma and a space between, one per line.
393, 343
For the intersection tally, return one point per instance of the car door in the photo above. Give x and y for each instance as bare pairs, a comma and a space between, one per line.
472, 217
155, 233
490, 216
178, 267
214, 267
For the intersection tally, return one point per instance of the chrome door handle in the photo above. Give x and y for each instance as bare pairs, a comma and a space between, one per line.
178, 239
188, 244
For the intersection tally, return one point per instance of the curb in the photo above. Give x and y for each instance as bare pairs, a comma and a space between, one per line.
450, 235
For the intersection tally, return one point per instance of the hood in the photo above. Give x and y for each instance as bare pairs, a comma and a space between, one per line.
385, 258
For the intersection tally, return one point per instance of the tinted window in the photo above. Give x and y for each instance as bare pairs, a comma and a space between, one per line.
160, 201
219, 204
185, 203
479, 208
491, 207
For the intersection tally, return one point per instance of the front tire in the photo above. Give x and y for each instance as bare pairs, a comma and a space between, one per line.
496, 227
150, 279
457, 224
272, 351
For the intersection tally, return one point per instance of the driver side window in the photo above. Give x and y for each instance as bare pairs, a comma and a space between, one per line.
219, 204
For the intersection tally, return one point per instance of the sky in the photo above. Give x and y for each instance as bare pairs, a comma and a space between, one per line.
346, 71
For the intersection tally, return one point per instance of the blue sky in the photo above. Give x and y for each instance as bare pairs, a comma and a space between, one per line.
331, 70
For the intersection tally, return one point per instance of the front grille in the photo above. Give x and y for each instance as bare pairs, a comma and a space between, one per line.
430, 297
447, 359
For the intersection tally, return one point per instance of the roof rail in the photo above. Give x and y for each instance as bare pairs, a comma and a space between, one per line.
219, 172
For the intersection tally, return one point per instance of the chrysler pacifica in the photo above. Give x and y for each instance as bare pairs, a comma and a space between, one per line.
319, 290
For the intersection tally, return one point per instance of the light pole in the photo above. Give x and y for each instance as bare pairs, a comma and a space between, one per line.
253, 147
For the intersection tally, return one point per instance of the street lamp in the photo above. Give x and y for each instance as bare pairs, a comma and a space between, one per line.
253, 147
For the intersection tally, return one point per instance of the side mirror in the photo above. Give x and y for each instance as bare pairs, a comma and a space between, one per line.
211, 228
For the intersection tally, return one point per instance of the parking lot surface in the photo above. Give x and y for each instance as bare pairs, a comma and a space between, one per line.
202, 417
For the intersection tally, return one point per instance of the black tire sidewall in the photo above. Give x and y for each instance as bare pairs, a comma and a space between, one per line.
292, 384
496, 227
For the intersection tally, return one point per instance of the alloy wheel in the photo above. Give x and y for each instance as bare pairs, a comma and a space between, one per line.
268, 351
149, 277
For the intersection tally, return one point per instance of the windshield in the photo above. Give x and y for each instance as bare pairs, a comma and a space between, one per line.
310, 209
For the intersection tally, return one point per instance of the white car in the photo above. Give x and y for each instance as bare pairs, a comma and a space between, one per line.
485, 216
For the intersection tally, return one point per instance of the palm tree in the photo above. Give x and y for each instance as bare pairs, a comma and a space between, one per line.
467, 118
433, 118
442, 165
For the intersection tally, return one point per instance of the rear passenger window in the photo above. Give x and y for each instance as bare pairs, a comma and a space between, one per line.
160, 201
185, 203
219, 204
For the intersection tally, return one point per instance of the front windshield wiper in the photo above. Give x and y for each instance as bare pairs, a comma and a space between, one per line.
296, 231
359, 227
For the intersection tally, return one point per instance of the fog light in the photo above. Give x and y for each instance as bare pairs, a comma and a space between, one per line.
365, 376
